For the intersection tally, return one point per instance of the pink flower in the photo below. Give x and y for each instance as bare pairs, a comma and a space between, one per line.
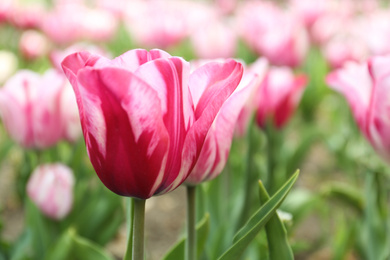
26, 16
73, 21
366, 87
274, 33
145, 117
278, 96
214, 39
253, 77
33, 44
157, 24
50, 187
215, 151
32, 110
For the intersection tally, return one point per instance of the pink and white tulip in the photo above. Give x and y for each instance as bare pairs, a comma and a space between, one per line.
274, 33
279, 96
215, 151
33, 45
366, 86
253, 77
50, 187
31, 108
145, 117
157, 24
214, 39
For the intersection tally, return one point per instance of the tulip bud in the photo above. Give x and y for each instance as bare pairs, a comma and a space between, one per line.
50, 187
279, 95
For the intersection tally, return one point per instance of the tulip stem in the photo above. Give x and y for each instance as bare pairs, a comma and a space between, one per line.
130, 220
191, 230
138, 229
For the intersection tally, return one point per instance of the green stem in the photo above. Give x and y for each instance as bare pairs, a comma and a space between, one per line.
130, 223
251, 176
271, 182
191, 230
138, 229
274, 178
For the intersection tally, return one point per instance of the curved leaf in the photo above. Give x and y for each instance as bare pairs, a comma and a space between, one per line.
247, 233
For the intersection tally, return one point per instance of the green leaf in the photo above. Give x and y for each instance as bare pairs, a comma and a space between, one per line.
278, 245
72, 246
62, 248
202, 230
247, 233
346, 193
84, 249
22, 249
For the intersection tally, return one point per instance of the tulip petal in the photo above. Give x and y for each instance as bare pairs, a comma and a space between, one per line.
213, 80
355, 83
168, 78
377, 122
133, 59
216, 148
124, 131
210, 86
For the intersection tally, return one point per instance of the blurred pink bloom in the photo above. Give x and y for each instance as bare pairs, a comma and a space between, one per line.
155, 24
63, 24
117, 7
308, 10
278, 96
214, 39
337, 19
145, 117
50, 187
26, 16
71, 22
31, 108
226, 6
5, 9
366, 86
253, 77
33, 44
70, 115
343, 48
374, 28
99, 25
163, 24
273, 32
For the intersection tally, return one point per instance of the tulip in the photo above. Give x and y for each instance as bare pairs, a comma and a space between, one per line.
274, 33
215, 151
343, 48
70, 115
278, 96
156, 24
257, 71
214, 39
145, 117
366, 86
50, 187
33, 44
32, 108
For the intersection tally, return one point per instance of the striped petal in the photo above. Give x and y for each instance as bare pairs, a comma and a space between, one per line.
355, 83
133, 59
169, 77
216, 148
123, 129
210, 85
